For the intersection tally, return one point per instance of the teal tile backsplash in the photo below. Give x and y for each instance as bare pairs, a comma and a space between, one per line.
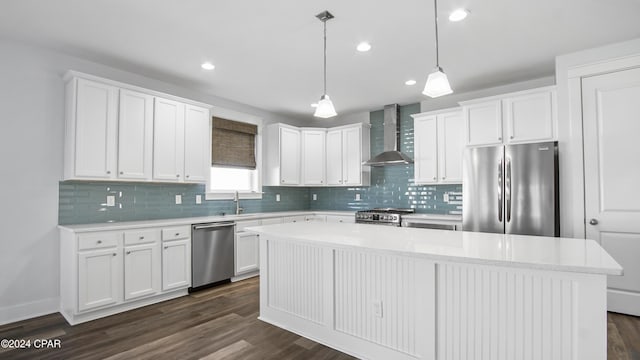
82, 202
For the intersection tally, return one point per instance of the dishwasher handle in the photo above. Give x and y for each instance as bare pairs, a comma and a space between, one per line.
212, 225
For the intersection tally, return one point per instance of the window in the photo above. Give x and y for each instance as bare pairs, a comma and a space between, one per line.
236, 156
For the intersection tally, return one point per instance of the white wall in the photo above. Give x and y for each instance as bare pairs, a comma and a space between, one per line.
31, 156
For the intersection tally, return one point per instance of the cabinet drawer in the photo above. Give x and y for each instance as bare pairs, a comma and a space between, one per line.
182, 232
141, 236
271, 221
241, 225
98, 240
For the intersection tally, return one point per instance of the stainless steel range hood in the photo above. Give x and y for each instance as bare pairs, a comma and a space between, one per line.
391, 154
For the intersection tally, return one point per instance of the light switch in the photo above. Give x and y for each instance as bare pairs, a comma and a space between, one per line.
357, 197
178, 199
315, 196
445, 197
377, 308
277, 197
111, 200
198, 199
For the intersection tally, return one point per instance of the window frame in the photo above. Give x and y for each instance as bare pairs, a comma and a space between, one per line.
246, 118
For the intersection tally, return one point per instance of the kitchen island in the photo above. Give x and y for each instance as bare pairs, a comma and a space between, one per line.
379, 292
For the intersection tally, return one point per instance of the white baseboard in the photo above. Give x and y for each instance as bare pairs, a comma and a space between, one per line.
9, 314
623, 302
245, 276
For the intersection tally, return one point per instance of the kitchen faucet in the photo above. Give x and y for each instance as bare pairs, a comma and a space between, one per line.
236, 198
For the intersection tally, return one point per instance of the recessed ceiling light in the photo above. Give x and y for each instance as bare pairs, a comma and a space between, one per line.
364, 46
208, 66
410, 82
458, 14
314, 105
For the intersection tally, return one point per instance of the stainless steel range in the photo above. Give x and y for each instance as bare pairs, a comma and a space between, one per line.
382, 216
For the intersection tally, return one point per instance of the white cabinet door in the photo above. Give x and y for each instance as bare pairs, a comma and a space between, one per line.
611, 109
315, 218
289, 156
451, 146
176, 264
141, 270
341, 219
197, 144
99, 278
530, 117
425, 149
293, 219
334, 157
135, 135
168, 140
313, 157
247, 252
95, 130
351, 156
483, 123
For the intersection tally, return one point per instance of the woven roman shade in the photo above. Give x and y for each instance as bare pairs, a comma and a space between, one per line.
233, 144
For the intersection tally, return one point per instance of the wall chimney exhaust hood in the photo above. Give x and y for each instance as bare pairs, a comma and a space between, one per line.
391, 154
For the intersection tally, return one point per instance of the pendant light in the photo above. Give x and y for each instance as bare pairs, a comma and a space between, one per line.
437, 82
325, 107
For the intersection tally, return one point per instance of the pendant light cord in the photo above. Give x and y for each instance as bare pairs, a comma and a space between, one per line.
435, 14
325, 57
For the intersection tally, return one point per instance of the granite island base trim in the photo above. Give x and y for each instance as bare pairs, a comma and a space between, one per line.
379, 305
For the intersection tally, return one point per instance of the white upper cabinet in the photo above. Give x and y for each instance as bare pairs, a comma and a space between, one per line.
352, 154
530, 117
347, 149
197, 144
135, 135
168, 140
91, 122
289, 156
438, 147
116, 131
521, 117
313, 156
334, 157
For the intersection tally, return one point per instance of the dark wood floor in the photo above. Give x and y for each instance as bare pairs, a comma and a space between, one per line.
219, 323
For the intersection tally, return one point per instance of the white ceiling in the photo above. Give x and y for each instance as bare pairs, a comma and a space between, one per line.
268, 54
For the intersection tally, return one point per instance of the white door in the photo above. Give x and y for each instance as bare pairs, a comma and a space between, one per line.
450, 146
197, 144
135, 135
611, 123
334, 157
530, 117
168, 140
351, 156
425, 153
99, 278
247, 252
96, 122
141, 270
313, 157
176, 264
483, 123
289, 156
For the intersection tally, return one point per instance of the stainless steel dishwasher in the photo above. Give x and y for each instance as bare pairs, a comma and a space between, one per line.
212, 256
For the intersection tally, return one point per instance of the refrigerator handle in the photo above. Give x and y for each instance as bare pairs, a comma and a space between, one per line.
507, 189
500, 190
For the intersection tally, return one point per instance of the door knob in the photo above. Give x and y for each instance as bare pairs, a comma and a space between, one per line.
593, 222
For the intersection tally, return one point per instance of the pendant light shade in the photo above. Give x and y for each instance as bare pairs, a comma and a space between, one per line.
437, 82
325, 107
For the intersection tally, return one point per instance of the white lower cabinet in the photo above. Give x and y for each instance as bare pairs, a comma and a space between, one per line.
341, 219
247, 252
106, 272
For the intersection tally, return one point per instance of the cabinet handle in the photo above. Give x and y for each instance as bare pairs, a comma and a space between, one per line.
141, 237
114, 254
435, 178
128, 252
177, 234
340, 181
108, 172
166, 247
500, 138
187, 176
320, 181
177, 175
99, 241
121, 172
443, 178
283, 181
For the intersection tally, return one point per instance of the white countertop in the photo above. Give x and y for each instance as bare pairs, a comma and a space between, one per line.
530, 252
124, 225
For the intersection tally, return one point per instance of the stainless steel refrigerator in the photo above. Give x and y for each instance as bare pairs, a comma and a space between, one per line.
511, 189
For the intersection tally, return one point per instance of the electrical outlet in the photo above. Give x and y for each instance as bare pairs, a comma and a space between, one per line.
277, 197
198, 199
178, 199
445, 197
357, 197
315, 196
377, 308
111, 200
